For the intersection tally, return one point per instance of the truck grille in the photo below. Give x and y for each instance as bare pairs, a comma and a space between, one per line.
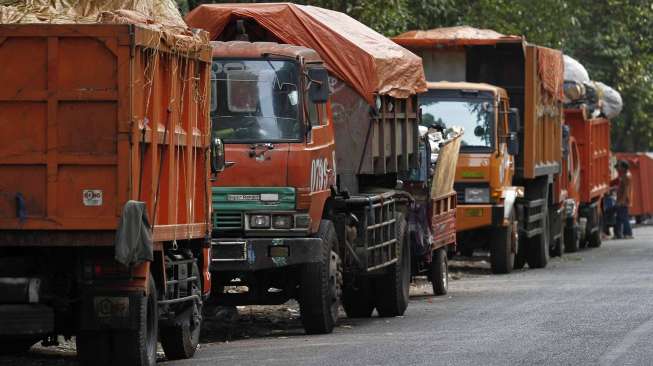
227, 221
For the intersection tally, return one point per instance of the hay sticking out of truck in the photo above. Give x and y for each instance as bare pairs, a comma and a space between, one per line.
162, 17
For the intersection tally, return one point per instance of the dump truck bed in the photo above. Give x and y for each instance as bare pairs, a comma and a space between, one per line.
532, 76
593, 140
78, 107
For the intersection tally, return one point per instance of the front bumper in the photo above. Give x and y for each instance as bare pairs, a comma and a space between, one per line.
254, 254
470, 217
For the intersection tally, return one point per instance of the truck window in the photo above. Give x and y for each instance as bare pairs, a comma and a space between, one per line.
255, 101
475, 116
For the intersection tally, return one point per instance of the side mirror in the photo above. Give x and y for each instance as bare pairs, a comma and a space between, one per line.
217, 156
318, 90
513, 120
513, 144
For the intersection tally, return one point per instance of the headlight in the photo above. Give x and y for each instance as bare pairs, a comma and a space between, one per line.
477, 195
302, 221
282, 221
259, 221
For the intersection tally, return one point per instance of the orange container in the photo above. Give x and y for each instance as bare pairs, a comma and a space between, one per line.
592, 138
92, 116
641, 169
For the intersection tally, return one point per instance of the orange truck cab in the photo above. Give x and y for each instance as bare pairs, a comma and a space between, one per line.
485, 169
326, 187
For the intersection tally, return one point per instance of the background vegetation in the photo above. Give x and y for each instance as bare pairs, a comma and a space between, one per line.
613, 39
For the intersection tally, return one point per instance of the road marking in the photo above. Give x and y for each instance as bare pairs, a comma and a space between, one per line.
612, 355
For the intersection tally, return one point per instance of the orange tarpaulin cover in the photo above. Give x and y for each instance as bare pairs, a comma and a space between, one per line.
550, 63
453, 36
356, 54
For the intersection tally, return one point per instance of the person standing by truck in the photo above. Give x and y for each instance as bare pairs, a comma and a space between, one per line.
622, 228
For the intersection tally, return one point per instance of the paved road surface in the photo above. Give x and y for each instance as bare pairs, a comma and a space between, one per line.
594, 307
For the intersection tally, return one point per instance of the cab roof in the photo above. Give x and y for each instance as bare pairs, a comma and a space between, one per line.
242, 49
448, 85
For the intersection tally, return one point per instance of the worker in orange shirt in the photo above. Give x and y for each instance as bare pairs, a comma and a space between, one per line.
622, 229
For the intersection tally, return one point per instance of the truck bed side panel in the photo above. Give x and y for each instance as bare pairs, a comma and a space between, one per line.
73, 104
593, 141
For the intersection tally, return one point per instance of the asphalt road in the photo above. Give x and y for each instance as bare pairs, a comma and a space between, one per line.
594, 307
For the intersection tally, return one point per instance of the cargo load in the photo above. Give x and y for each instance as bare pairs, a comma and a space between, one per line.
367, 61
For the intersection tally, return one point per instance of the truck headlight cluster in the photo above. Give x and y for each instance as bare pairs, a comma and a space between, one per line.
477, 195
279, 221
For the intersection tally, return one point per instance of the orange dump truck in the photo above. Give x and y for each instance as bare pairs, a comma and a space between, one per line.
585, 179
641, 168
325, 194
105, 189
509, 158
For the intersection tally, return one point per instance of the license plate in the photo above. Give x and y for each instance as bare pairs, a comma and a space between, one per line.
110, 306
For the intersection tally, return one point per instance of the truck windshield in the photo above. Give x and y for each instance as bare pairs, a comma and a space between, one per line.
255, 101
475, 116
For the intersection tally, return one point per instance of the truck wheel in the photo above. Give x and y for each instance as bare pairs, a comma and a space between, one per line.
320, 285
571, 239
180, 340
138, 346
392, 288
537, 254
503, 240
594, 240
439, 272
358, 298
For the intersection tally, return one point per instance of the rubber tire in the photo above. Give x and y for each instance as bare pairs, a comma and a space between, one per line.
138, 346
502, 258
358, 298
594, 240
125, 347
537, 255
393, 287
15, 346
439, 272
320, 286
572, 239
180, 341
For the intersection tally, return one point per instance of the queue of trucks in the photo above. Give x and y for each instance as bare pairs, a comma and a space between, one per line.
286, 151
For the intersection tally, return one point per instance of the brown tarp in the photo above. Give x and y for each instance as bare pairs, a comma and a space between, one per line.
550, 62
452, 36
161, 16
365, 59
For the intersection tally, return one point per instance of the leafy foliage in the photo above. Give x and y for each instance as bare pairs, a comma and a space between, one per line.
613, 39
